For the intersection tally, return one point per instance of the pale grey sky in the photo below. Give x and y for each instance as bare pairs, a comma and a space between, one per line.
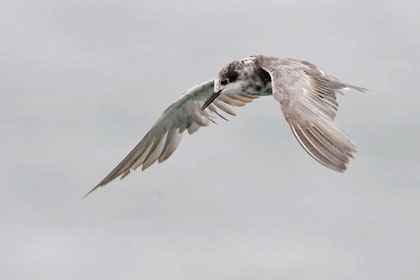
82, 82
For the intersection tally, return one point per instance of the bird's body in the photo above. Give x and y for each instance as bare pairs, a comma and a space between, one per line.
306, 93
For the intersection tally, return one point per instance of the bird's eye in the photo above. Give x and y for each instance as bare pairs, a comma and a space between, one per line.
224, 82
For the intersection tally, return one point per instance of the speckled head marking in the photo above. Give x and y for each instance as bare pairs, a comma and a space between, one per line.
230, 74
243, 76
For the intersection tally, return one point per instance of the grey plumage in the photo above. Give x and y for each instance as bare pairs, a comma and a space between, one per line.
308, 99
306, 93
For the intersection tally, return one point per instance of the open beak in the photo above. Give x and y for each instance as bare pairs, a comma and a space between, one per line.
211, 99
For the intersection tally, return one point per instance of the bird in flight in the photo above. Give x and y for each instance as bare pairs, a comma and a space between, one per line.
307, 96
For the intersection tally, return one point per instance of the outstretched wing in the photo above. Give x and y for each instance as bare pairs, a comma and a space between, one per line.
184, 114
308, 99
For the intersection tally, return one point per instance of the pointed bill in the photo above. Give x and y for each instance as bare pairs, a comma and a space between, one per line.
210, 100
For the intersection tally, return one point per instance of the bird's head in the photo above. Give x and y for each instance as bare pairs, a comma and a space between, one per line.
236, 77
231, 78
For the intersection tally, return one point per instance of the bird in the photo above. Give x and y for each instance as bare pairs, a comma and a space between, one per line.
307, 97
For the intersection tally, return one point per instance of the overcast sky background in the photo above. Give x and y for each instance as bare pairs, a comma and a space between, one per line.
82, 81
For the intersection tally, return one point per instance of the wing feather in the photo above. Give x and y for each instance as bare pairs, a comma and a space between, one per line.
219, 104
231, 100
148, 146
308, 99
155, 151
165, 135
172, 141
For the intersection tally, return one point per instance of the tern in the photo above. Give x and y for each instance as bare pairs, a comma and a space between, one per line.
307, 96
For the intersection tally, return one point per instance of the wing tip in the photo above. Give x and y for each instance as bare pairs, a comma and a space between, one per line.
360, 89
92, 190
320, 152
